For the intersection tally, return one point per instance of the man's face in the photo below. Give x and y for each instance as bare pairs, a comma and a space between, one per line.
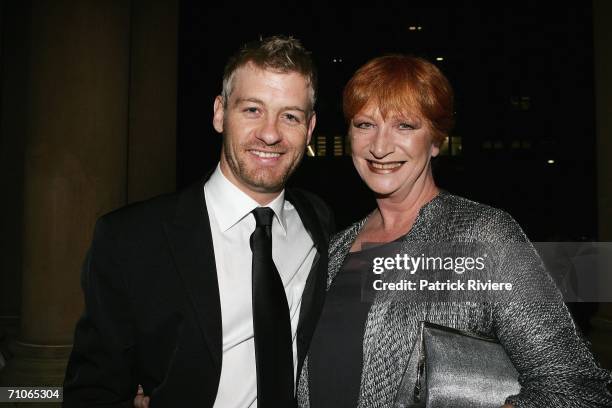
266, 125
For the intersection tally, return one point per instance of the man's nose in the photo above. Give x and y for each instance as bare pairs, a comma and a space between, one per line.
269, 132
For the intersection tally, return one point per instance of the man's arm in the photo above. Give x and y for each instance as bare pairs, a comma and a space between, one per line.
100, 369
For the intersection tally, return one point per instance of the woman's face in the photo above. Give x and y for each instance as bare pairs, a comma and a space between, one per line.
392, 155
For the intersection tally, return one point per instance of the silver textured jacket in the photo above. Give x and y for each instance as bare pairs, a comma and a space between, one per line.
555, 365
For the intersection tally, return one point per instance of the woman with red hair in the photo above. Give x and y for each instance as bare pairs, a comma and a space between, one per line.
399, 110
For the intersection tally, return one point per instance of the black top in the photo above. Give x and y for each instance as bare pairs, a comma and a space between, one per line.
336, 357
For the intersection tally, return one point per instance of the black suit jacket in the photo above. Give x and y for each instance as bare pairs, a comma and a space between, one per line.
152, 311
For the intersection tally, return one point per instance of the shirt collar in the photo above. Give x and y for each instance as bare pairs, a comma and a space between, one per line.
230, 204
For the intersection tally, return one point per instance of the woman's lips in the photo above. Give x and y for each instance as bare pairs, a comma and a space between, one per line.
384, 167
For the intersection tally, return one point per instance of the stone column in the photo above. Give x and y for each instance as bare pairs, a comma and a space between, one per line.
152, 130
601, 336
94, 98
14, 19
75, 168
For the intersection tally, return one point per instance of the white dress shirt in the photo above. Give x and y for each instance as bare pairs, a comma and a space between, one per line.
293, 251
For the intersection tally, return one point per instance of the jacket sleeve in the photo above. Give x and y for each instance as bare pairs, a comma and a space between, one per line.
555, 366
100, 368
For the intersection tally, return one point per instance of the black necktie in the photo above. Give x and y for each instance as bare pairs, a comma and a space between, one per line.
271, 322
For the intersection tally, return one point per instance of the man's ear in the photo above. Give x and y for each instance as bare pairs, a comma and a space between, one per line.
219, 112
311, 125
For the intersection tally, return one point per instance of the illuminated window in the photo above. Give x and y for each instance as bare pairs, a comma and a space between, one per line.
521, 102
525, 103
321, 145
444, 148
338, 146
455, 146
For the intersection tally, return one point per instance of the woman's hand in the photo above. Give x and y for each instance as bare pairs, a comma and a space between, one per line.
141, 401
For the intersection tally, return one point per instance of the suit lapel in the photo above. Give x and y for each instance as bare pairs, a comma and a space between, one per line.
191, 244
314, 291
190, 240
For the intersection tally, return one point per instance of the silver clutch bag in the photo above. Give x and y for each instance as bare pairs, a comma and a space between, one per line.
456, 369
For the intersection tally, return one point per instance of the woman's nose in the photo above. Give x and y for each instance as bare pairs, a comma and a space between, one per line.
381, 145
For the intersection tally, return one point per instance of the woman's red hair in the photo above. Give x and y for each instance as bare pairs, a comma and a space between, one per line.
402, 85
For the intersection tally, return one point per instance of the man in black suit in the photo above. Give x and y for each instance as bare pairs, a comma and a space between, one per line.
209, 297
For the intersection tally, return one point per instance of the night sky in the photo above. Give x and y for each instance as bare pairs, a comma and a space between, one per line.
523, 79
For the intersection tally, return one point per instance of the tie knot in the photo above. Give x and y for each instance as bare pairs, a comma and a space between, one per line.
263, 216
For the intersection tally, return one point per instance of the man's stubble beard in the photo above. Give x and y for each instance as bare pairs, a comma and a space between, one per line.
259, 180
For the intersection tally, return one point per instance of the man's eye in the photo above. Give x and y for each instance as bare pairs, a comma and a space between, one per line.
251, 109
291, 117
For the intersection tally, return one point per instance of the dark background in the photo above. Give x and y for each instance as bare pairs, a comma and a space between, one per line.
522, 73
96, 95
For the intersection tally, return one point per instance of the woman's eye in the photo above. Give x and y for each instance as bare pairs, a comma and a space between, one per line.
363, 125
406, 126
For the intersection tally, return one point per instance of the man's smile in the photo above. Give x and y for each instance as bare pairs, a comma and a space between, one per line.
265, 154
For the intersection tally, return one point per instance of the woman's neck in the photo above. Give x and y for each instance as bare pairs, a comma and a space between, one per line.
400, 211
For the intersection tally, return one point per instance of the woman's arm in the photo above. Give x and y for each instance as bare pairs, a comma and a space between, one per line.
556, 367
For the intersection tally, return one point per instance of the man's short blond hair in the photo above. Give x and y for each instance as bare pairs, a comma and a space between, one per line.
276, 53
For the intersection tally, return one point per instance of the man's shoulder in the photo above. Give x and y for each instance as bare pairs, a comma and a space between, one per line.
307, 196
157, 208
322, 211
147, 218
136, 225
